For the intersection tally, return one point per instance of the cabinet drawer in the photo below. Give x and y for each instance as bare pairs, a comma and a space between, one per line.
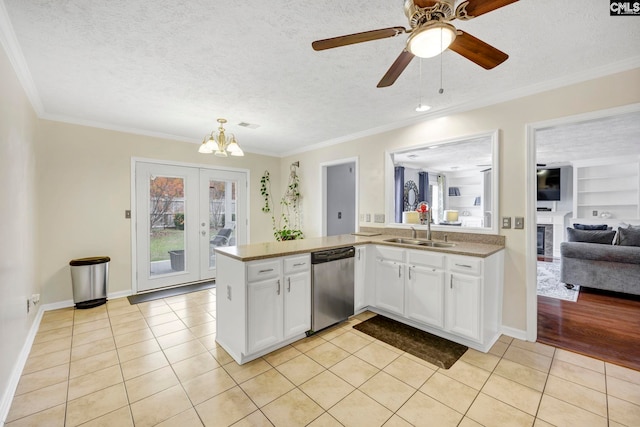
297, 263
426, 259
261, 270
467, 265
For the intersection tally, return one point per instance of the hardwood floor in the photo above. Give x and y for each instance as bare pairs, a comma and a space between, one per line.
604, 325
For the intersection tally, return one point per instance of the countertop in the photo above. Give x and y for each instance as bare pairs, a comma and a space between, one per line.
266, 250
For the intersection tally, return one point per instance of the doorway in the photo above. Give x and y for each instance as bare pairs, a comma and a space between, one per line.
340, 195
182, 213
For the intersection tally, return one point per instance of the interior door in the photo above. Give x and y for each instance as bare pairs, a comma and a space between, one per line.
182, 214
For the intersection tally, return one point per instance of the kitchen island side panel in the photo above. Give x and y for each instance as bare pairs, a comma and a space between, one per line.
231, 305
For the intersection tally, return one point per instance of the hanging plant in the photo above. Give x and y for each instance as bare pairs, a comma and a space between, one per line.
288, 226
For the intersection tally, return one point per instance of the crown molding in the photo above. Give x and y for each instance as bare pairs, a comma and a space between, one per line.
12, 48
579, 77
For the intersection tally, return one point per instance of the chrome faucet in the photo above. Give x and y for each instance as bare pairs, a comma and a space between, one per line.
429, 224
413, 233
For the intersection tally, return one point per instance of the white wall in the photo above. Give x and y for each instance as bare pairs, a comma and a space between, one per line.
84, 188
510, 118
18, 222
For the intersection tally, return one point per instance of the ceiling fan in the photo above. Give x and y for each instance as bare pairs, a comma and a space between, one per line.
430, 34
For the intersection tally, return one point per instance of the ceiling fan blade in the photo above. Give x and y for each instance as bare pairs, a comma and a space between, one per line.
366, 36
396, 69
475, 50
480, 7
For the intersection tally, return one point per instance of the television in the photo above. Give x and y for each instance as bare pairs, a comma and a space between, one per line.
548, 184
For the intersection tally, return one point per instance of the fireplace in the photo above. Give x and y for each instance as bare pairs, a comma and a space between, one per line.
545, 240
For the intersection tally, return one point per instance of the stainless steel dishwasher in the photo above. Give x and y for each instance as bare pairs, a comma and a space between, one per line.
331, 287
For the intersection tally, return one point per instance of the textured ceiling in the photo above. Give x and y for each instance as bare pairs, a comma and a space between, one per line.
169, 67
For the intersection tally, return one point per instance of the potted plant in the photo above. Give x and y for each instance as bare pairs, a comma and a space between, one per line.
288, 225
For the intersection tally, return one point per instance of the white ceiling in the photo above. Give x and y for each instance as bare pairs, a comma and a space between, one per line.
171, 67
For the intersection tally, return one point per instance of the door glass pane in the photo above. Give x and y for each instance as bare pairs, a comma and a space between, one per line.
222, 216
167, 220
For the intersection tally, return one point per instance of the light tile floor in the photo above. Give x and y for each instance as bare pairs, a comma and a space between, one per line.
157, 363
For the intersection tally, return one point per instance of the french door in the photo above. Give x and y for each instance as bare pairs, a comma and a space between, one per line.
182, 214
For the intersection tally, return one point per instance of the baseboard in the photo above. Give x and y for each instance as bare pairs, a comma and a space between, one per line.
514, 333
18, 367
7, 397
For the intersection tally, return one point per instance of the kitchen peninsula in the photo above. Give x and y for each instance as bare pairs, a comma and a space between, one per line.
264, 289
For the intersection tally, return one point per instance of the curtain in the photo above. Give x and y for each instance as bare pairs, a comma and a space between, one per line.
424, 195
399, 192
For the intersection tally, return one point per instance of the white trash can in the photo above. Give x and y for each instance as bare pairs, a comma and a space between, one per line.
89, 279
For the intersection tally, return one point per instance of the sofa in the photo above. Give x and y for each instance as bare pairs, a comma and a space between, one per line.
602, 259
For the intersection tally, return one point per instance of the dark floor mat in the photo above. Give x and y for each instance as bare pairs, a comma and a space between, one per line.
438, 351
171, 292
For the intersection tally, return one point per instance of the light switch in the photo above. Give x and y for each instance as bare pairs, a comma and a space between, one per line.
519, 223
368, 217
506, 222
127, 214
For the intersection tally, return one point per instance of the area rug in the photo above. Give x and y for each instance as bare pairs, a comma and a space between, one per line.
549, 284
433, 349
171, 292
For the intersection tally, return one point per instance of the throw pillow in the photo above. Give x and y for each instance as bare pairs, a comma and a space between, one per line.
629, 236
604, 237
591, 227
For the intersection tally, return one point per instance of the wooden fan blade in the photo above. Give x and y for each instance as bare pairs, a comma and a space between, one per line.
477, 51
480, 7
396, 69
366, 36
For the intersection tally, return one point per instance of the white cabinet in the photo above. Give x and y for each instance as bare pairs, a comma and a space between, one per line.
463, 305
265, 314
389, 274
425, 295
453, 296
262, 305
361, 292
297, 296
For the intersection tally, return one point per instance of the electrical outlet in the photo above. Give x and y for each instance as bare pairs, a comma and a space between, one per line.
378, 218
594, 213
361, 217
506, 222
519, 223
127, 214
368, 218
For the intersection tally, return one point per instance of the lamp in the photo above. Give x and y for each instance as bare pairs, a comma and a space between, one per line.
219, 144
431, 39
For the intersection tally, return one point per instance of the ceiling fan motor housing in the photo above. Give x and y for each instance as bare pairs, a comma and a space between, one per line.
420, 12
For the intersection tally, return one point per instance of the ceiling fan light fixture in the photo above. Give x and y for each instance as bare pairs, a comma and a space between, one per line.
431, 39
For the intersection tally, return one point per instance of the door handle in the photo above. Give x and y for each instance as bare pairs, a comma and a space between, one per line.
278, 291
409, 273
358, 254
289, 284
451, 282
399, 270
204, 233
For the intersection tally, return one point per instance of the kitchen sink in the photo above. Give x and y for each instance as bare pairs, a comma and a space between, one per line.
418, 242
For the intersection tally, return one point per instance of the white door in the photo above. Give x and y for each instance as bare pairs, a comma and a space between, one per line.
297, 303
265, 314
464, 305
223, 214
180, 214
390, 285
425, 295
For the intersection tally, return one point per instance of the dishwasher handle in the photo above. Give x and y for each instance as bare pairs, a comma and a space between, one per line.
332, 255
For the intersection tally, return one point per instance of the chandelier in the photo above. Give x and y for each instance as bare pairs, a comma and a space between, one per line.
219, 144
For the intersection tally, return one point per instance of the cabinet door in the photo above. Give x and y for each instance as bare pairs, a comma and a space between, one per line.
297, 303
359, 296
425, 295
390, 285
264, 314
464, 296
